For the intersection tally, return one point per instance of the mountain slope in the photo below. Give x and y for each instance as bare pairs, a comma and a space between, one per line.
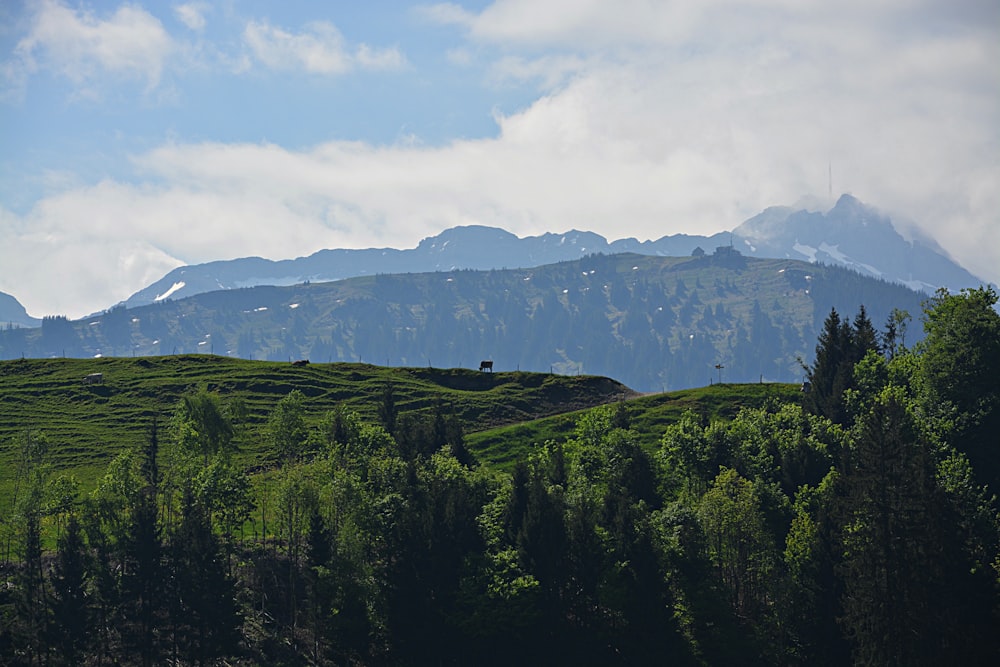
13, 313
851, 235
653, 323
88, 424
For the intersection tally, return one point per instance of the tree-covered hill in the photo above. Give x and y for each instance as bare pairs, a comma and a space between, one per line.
855, 523
653, 323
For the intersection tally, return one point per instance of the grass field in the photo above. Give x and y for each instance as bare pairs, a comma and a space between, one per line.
88, 424
504, 415
649, 415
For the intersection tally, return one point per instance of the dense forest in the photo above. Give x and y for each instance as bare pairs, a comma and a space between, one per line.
859, 526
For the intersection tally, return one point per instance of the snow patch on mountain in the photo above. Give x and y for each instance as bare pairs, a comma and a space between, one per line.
173, 288
918, 285
834, 251
806, 250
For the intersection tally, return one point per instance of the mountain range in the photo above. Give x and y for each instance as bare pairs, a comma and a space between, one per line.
653, 323
850, 234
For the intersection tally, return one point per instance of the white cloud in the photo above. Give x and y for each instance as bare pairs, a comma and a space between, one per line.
83, 47
192, 14
318, 49
571, 22
548, 71
595, 24
446, 13
622, 149
679, 117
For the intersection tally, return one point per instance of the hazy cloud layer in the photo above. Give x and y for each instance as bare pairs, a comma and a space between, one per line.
318, 49
649, 119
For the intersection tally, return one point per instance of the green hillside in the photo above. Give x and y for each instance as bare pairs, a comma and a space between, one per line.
855, 523
87, 424
647, 416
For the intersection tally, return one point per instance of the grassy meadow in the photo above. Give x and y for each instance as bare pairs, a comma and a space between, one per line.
85, 425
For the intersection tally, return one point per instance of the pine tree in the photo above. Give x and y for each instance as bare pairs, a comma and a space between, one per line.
142, 569
891, 540
839, 348
829, 375
893, 339
30, 601
70, 612
864, 338
204, 612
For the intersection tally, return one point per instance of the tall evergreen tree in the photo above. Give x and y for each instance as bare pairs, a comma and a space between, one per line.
893, 338
864, 337
839, 348
829, 374
891, 540
30, 601
204, 611
142, 567
71, 614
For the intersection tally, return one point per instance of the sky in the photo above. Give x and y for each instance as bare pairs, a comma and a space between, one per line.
136, 137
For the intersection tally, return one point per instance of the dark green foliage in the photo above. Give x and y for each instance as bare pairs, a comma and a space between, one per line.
864, 338
387, 411
893, 339
30, 607
963, 348
961, 367
204, 618
203, 424
725, 526
892, 545
812, 556
71, 614
830, 374
142, 567
286, 427
840, 347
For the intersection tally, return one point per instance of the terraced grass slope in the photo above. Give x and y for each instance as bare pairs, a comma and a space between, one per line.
648, 415
87, 424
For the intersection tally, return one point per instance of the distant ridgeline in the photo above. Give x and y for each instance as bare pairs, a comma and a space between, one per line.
653, 323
